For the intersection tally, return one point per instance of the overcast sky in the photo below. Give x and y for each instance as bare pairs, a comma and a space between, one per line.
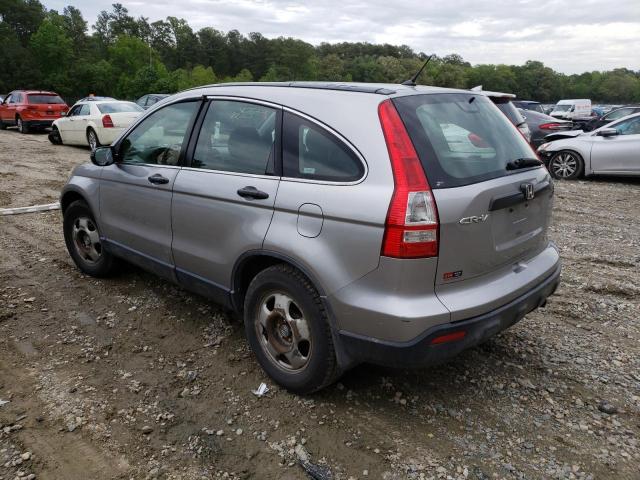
569, 36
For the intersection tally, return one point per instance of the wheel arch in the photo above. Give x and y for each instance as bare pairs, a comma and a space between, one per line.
253, 262
69, 197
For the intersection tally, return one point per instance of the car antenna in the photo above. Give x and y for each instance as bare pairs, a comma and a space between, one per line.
412, 81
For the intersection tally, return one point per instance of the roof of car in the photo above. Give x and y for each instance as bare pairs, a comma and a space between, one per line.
36, 92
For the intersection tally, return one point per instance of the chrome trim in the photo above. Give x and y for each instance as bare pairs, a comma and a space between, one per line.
235, 174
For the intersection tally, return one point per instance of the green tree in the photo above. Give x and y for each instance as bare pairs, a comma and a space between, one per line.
52, 51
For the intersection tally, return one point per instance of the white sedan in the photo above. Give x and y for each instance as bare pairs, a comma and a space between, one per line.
94, 122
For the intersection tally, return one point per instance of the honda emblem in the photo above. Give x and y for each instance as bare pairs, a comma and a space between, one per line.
527, 190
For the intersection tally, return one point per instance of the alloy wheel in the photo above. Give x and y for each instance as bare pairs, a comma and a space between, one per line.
87, 239
283, 331
564, 165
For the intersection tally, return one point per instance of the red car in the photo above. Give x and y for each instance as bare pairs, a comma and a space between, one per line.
28, 109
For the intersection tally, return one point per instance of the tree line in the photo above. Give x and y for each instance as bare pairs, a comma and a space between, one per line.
126, 57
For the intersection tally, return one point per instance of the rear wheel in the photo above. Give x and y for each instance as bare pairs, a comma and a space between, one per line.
92, 139
566, 165
82, 237
22, 126
288, 330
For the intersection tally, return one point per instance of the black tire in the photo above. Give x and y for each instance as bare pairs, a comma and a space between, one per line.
3, 126
22, 126
566, 165
320, 368
54, 136
102, 264
92, 139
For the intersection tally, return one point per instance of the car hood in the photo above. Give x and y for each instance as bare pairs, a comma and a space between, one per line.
566, 134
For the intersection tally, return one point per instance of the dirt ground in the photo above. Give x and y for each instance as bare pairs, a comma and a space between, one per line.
134, 378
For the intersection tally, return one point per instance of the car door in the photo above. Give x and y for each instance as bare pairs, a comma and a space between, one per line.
65, 125
223, 200
619, 153
9, 109
136, 191
79, 124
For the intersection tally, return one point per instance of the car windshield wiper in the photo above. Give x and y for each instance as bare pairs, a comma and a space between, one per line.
519, 163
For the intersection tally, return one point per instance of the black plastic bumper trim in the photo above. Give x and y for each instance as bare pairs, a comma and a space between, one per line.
419, 352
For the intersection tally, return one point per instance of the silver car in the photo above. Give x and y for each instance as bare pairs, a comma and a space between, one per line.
347, 223
613, 149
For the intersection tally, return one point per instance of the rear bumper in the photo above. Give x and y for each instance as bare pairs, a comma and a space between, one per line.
421, 351
39, 123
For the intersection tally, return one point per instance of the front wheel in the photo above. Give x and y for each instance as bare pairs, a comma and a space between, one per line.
92, 139
55, 137
3, 126
566, 165
82, 237
288, 330
22, 126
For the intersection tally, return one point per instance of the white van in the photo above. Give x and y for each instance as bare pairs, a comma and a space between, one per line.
571, 109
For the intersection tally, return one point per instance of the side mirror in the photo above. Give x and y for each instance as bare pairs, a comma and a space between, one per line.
607, 132
102, 156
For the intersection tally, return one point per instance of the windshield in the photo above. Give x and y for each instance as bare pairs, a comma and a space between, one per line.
460, 138
562, 108
120, 107
46, 99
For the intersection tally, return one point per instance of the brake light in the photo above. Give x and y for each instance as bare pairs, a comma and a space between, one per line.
411, 228
551, 126
107, 122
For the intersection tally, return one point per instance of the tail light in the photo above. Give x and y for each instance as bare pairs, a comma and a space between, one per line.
411, 228
107, 122
552, 126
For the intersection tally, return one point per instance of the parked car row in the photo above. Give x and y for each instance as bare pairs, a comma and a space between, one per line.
92, 121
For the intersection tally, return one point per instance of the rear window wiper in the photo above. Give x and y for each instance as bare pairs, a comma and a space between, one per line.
519, 163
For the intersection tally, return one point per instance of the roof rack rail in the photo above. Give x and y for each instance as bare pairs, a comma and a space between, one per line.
344, 87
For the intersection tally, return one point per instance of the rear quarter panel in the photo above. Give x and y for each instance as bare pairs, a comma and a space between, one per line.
353, 215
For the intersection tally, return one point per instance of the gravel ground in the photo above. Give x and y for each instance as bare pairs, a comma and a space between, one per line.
134, 378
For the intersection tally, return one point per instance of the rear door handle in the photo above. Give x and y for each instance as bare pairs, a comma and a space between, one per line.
253, 192
158, 179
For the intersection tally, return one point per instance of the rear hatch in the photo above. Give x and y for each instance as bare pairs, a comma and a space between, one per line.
492, 212
122, 114
46, 105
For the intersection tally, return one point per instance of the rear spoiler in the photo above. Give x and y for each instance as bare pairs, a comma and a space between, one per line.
559, 135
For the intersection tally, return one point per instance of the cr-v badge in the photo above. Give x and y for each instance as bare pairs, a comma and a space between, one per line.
474, 219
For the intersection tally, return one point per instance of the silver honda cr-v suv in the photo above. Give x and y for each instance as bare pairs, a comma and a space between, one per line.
347, 223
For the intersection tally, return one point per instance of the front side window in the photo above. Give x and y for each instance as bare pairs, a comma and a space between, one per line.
617, 114
313, 153
74, 111
629, 127
237, 137
460, 139
158, 139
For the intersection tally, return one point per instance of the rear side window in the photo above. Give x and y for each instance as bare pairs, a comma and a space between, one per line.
311, 152
508, 108
44, 99
460, 138
85, 109
237, 137
122, 107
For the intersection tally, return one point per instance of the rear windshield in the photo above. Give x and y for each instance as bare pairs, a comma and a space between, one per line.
461, 138
508, 108
46, 99
120, 107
